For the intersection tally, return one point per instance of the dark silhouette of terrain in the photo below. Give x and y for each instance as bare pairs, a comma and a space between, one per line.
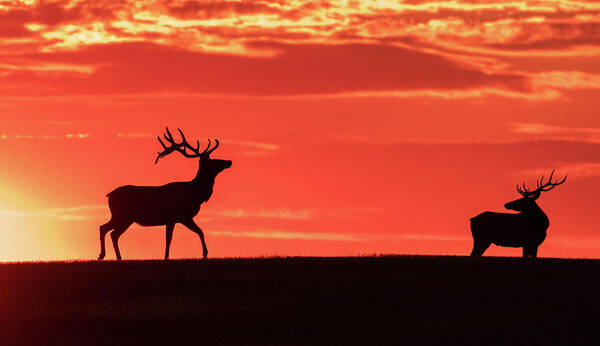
302, 301
168, 204
526, 229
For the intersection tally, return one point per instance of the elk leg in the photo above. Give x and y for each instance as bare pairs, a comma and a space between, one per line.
103, 230
194, 228
169, 237
116, 233
530, 251
534, 252
479, 247
473, 252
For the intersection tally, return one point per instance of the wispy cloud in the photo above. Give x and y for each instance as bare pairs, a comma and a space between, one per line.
5, 136
253, 144
269, 214
12, 213
291, 214
316, 236
537, 131
539, 128
529, 135
580, 243
77, 213
567, 80
434, 237
289, 235
135, 135
100, 211
574, 170
263, 146
97, 211
83, 212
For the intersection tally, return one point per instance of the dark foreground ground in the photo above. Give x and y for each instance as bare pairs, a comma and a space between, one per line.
302, 301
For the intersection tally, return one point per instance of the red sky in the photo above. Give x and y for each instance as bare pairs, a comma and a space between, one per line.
354, 127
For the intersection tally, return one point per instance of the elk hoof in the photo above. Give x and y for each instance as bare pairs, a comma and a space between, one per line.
101, 257
204, 255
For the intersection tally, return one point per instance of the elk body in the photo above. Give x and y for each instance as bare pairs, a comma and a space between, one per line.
526, 229
168, 204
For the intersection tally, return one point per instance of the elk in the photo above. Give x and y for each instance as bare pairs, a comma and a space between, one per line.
526, 229
176, 202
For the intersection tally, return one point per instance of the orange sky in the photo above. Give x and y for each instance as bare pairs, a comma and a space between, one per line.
354, 127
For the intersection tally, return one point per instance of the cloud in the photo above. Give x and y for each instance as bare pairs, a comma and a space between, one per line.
99, 211
579, 242
434, 237
77, 213
445, 49
5, 136
263, 147
318, 236
135, 135
579, 170
13, 213
220, 9
547, 132
12, 30
579, 29
539, 128
530, 133
570, 80
317, 69
289, 235
269, 214
257, 145
225, 24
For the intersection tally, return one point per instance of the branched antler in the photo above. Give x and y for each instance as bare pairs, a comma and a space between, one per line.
182, 147
541, 186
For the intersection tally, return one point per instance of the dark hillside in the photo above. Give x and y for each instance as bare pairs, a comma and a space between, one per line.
302, 301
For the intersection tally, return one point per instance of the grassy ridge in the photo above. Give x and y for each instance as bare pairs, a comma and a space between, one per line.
301, 301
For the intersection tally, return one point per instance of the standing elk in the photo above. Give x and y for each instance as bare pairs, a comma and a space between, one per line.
168, 204
526, 229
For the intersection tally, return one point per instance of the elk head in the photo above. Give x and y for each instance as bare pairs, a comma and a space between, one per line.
527, 202
206, 164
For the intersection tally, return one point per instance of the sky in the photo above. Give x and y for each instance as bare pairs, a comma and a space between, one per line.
354, 127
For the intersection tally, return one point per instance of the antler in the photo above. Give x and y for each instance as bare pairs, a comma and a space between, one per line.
182, 147
541, 186
213, 149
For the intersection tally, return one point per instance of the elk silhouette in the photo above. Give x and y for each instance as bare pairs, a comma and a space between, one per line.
176, 202
526, 229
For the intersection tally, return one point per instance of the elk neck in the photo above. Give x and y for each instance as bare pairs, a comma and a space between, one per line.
535, 211
203, 183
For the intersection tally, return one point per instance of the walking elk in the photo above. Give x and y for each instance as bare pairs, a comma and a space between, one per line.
176, 202
526, 229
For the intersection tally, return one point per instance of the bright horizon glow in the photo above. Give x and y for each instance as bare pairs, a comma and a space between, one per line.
356, 128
